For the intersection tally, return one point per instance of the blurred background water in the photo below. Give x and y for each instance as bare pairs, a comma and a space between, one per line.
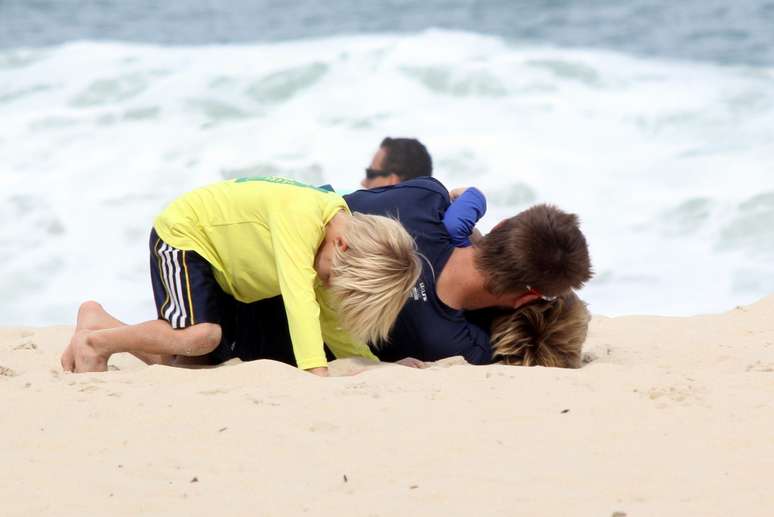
653, 121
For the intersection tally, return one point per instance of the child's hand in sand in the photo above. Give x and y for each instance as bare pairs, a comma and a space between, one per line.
321, 372
412, 363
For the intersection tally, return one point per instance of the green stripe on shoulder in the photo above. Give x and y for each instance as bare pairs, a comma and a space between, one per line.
283, 181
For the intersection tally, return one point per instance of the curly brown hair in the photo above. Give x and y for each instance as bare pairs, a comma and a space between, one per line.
542, 333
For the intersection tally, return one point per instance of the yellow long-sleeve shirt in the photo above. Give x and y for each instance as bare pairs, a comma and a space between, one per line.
261, 236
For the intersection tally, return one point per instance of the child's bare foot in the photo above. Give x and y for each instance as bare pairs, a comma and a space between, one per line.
81, 356
68, 358
78, 356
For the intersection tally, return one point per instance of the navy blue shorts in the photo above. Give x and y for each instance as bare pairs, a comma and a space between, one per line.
184, 287
186, 293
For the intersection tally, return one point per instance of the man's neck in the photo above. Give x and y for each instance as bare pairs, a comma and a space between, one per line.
460, 284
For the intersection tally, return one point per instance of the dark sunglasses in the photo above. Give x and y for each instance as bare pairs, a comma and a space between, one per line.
373, 173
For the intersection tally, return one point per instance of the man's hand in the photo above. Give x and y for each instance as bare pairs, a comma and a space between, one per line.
475, 236
412, 363
456, 192
322, 371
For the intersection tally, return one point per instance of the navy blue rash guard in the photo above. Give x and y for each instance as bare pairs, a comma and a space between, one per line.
426, 328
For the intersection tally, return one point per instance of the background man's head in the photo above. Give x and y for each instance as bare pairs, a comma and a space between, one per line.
396, 160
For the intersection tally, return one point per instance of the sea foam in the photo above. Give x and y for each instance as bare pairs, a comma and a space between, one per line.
667, 163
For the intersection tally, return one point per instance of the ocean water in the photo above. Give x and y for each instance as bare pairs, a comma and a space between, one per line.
662, 143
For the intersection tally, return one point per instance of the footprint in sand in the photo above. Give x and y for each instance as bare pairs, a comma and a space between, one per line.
681, 394
216, 391
6, 372
261, 402
322, 427
89, 388
760, 366
26, 342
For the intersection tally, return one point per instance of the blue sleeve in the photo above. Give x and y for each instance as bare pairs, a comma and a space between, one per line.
462, 215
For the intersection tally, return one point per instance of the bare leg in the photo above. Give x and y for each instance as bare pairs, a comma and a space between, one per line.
90, 348
87, 319
92, 316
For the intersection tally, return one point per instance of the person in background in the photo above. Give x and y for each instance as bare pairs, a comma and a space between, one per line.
403, 159
397, 160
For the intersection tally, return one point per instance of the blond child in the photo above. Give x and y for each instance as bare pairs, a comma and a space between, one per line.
344, 278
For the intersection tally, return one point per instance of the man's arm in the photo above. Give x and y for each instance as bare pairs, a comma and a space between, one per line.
452, 338
478, 349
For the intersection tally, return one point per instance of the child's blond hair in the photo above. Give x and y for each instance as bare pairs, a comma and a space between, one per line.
542, 333
372, 278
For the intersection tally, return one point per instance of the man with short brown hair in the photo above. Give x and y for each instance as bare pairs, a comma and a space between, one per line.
540, 248
396, 160
539, 253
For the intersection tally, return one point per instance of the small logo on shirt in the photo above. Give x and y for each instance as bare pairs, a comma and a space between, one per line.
419, 292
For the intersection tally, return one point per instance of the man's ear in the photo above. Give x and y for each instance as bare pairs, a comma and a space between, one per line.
341, 243
393, 179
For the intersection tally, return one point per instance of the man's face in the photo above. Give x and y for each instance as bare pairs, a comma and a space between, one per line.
377, 164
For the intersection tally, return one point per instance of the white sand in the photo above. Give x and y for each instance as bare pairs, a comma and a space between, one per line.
673, 416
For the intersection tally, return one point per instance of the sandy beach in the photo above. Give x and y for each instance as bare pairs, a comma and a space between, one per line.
669, 416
